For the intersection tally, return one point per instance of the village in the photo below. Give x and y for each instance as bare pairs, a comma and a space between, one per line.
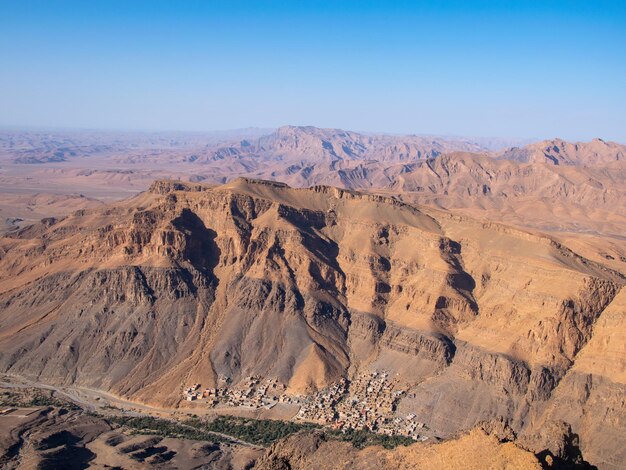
368, 402
253, 393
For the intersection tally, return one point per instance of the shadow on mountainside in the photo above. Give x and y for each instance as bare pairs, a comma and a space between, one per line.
571, 457
200, 248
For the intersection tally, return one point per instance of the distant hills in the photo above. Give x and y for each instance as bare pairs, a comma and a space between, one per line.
559, 152
551, 185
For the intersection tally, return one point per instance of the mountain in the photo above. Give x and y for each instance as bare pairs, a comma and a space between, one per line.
305, 156
329, 145
310, 148
581, 204
559, 152
580, 196
188, 283
548, 197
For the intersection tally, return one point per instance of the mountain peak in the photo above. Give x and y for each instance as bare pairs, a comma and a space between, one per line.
561, 152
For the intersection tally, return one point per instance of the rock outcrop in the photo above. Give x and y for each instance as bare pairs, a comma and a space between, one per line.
475, 450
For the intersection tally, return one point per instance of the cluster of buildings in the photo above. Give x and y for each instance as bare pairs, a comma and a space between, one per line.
407, 426
252, 393
322, 406
192, 393
367, 402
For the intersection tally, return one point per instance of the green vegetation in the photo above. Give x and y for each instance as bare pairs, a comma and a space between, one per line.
38, 399
42, 400
265, 432
360, 439
11, 399
262, 432
164, 427
256, 431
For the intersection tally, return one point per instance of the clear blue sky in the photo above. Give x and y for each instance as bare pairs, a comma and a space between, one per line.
517, 68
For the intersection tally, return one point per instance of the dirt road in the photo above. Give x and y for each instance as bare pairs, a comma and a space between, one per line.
99, 401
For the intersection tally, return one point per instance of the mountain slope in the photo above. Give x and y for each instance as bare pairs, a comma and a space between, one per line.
552, 198
187, 283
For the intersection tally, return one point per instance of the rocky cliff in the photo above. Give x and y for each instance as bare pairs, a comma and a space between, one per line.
185, 283
475, 450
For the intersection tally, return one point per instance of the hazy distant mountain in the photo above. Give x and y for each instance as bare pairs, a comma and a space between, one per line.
492, 144
54, 146
327, 145
559, 152
532, 186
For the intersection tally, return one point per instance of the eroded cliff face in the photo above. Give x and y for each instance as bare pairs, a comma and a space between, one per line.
475, 450
186, 283
591, 397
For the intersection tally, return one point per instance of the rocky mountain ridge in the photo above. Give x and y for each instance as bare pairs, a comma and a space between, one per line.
581, 195
293, 143
189, 282
559, 152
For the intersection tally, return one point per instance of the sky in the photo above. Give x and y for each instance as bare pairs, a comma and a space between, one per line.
525, 69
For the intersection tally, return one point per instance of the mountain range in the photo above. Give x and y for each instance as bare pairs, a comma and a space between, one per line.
188, 282
488, 283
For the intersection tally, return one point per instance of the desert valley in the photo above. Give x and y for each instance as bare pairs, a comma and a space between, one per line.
392, 301
334, 235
